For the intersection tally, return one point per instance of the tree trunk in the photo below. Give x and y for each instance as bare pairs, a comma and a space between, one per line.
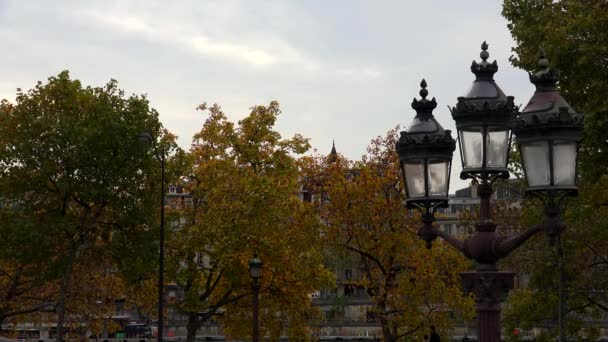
388, 335
65, 279
192, 326
388, 332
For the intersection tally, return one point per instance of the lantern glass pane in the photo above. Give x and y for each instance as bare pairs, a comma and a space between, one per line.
564, 163
438, 177
471, 141
255, 268
536, 161
497, 147
414, 177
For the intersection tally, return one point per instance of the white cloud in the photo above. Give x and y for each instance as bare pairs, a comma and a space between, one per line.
254, 56
254, 50
371, 72
259, 50
360, 73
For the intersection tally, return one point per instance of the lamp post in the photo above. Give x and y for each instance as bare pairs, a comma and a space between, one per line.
147, 139
255, 271
547, 131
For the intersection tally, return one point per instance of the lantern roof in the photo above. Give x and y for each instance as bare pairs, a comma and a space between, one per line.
484, 100
425, 137
547, 108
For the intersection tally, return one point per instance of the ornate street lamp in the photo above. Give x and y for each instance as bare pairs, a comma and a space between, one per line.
484, 117
425, 152
147, 139
255, 271
548, 131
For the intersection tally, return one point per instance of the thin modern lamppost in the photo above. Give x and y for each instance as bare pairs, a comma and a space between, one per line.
548, 132
147, 139
255, 271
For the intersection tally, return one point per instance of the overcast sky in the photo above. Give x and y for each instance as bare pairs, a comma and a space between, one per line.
344, 70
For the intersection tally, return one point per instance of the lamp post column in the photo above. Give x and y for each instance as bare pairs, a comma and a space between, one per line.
256, 325
490, 289
255, 271
484, 192
146, 138
489, 286
161, 254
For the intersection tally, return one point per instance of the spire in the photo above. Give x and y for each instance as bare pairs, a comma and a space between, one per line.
333, 155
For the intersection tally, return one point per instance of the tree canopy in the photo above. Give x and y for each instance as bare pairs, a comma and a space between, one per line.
244, 181
79, 186
361, 204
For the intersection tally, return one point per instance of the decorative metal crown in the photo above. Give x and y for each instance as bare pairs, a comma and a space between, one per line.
563, 117
545, 78
424, 107
484, 69
463, 107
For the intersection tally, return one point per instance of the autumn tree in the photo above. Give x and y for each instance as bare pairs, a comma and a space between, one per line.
361, 204
244, 181
23, 291
80, 184
574, 35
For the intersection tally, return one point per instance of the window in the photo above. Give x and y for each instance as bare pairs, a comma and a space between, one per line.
307, 196
189, 202
348, 274
330, 292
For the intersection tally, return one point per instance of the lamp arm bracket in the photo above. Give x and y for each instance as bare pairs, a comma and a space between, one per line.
507, 245
428, 233
500, 175
553, 202
451, 240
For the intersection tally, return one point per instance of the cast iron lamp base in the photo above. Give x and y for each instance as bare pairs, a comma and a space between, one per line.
490, 289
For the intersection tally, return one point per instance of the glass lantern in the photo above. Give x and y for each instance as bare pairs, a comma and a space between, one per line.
425, 152
484, 117
255, 267
548, 131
